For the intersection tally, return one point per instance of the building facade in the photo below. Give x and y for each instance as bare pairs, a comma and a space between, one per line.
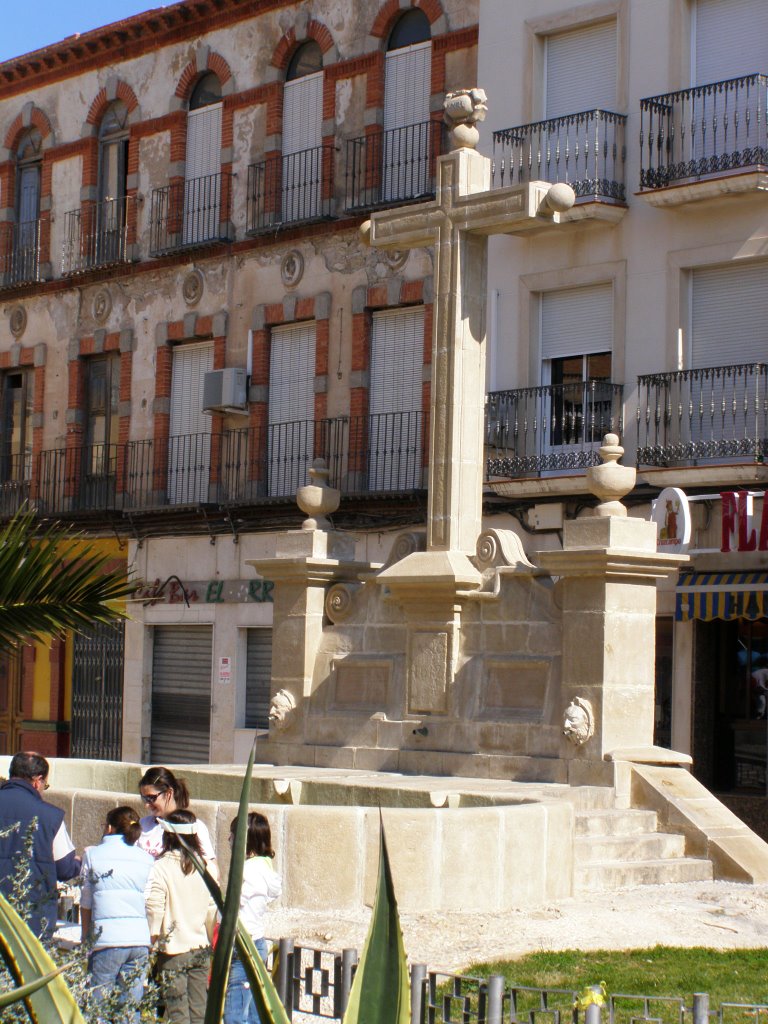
190, 319
646, 316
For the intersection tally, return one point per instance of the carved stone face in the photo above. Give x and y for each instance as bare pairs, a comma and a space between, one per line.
280, 709
578, 722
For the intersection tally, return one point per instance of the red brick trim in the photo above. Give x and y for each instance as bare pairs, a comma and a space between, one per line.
98, 107
288, 44
391, 11
192, 73
39, 120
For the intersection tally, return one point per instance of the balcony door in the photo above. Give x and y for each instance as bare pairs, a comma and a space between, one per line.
407, 85
291, 432
99, 459
107, 244
395, 400
576, 400
303, 136
202, 170
26, 252
16, 440
189, 440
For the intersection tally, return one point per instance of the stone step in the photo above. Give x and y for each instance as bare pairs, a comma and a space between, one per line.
607, 821
600, 877
587, 798
646, 846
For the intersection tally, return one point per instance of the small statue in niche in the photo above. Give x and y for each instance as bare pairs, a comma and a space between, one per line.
281, 709
579, 721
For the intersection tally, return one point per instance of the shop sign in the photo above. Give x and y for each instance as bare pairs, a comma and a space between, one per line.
737, 526
176, 591
672, 515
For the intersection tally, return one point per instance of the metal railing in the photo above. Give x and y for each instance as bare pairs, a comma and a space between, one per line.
96, 235
554, 427
83, 479
191, 213
707, 131
717, 412
587, 150
19, 253
15, 482
291, 189
394, 166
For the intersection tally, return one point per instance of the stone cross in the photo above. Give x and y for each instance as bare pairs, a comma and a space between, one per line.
457, 222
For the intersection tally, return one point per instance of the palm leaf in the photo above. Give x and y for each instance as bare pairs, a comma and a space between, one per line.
52, 1001
380, 991
50, 584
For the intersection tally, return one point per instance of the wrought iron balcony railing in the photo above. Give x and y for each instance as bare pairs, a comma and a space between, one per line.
292, 189
587, 150
96, 235
554, 427
189, 214
76, 480
707, 131
15, 482
719, 412
19, 253
395, 166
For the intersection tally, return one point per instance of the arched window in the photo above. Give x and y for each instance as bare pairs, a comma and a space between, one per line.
202, 174
26, 248
407, 126
113, 151
303, 134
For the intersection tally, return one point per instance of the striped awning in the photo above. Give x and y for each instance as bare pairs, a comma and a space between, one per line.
721, 595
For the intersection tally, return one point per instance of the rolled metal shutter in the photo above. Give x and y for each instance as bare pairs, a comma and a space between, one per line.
581, 69
181, 694
258, 678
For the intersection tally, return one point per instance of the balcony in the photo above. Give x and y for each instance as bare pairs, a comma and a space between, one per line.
553, 428
191, 214
586, 150
78, 480
384, 168
19, 254
96, 236
15, 482
704, 142
695, 416
293, 189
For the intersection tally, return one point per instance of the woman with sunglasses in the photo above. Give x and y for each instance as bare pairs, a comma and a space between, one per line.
162, 794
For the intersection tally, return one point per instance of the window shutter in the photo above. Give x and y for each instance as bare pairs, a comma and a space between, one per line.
292, 374
303, 114
730, 39
576, 321
29, 194
407, 86
182, 658
581, 70
258, 678
203, 142
729, 315
190, 364
397, 357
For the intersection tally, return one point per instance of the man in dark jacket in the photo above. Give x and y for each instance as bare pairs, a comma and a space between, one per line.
25, 816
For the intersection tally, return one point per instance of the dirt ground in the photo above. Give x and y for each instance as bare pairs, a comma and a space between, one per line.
722, 915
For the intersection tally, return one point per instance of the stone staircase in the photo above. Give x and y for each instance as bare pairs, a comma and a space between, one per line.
617, 847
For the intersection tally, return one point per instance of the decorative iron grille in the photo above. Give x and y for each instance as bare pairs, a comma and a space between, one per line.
19, 253
189, 214
396, 166
97, 693
96, 235
292, 189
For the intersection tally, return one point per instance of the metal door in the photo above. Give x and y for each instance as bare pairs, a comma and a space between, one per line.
181, 694
97, 693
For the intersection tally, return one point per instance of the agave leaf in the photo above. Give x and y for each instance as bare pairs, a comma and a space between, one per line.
380, 991
15, 995
27, 961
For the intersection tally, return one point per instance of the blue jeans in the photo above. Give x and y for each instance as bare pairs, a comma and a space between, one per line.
120, 967
239, 1007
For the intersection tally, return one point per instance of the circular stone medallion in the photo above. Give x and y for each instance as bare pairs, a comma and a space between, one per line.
102, 305
192, 287
17, 321
292, 268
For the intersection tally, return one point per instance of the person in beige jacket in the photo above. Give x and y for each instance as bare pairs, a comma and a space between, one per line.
180, 913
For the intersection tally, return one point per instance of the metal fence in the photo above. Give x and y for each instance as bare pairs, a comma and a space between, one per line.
293, 188
587, 150
393, 166
19, 253
191, 213
96, 235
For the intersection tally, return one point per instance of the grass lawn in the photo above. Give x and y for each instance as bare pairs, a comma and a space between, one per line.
739, 976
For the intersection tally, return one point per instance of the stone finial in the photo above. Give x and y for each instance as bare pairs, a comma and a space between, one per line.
461, 111
610, 481
317, 499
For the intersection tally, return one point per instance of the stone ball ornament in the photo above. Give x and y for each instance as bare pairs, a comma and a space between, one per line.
609, 481
317, 499
461, 112
560, 197
579, 721
281, 710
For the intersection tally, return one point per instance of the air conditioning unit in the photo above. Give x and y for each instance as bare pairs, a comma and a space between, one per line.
225, 391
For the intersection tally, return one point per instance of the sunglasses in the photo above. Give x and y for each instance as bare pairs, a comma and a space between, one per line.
150, 798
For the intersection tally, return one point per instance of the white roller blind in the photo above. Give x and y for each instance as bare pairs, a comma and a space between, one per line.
397, 357
292, 374
730, 38
577, 321
303, 113
729, 315
190, 364
581, 70
203, 142
407, 85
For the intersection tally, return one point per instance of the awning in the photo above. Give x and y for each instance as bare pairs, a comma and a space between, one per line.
721, 595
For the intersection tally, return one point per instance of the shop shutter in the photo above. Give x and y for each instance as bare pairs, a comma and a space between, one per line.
189, 442
395, 399
730, 39
181, 694
576, 321
581, 70
729, 315
302, 139
258, 678
291, 407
